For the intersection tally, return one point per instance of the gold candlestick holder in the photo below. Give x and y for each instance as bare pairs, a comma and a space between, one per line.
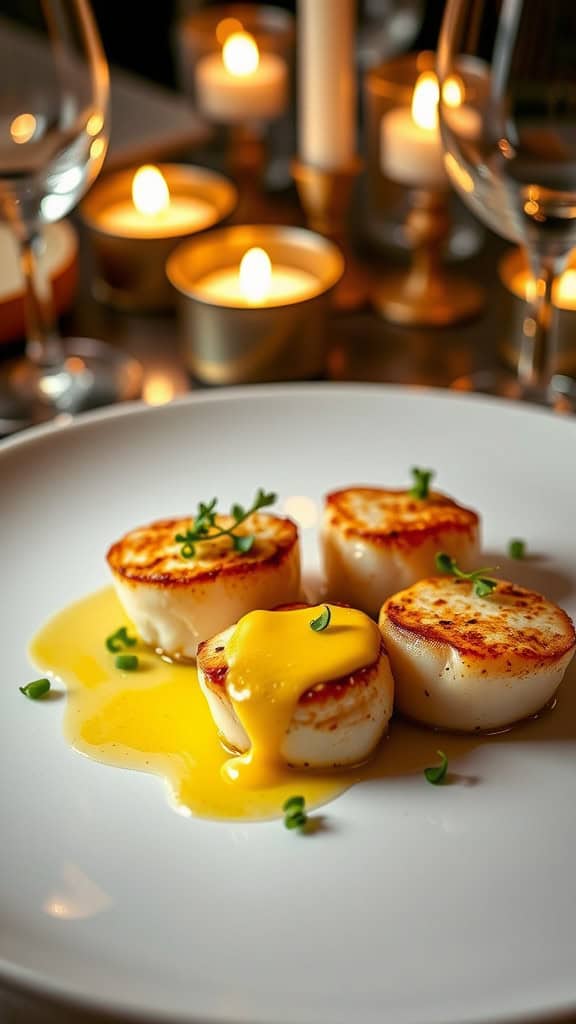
426, 294
325, 197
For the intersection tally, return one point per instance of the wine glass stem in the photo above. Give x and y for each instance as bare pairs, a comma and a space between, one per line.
536, 362
43, 346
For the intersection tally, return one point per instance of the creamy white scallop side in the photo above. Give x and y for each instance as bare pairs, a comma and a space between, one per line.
469, 663
375, 542
176, 603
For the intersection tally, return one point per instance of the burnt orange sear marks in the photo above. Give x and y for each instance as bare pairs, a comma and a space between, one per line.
393, 517
151, 555
511, 623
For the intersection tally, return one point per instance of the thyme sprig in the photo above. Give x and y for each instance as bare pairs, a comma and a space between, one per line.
482, 585
205, 528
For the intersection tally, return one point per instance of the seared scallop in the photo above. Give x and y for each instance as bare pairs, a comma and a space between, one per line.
337, 721
474, 663
375, 542
175, 603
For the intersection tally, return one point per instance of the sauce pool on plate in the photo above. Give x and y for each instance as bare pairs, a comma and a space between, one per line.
156, 719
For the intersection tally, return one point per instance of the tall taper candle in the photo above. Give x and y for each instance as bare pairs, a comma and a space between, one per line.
327, 83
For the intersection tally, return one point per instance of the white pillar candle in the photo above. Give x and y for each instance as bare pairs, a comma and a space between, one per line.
241, 84
327, 83
411, 147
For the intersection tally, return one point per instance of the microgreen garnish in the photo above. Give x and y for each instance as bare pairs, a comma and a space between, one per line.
322, 621
437, 773
482, 585
126, 662
205, 528
116, 641
421, 485
517, 548
294, 814
35, 690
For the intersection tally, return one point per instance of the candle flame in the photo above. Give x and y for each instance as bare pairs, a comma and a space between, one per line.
240, 54
150, 193
255, 275
453, 91
425, 101
22, 128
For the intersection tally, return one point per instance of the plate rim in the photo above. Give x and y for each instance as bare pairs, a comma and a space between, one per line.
80, 421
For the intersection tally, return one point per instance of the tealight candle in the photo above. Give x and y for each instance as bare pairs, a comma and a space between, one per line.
152, 212
137, 217
411, 147
256, 282
253, 302
239, 84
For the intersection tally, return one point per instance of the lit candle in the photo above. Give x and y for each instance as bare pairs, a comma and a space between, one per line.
327, 83
153, 213
256, 282
462, 119
411, 147
241, 84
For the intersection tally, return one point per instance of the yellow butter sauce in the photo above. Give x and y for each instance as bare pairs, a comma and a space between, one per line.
274, 657
156, 720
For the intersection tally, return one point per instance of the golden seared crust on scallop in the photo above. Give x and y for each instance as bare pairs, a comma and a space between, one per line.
151, 555
376, 541
474, 663
394, 517
511, 623
176, 602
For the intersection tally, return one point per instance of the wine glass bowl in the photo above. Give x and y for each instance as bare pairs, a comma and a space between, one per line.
53, 113
508, 120
54, 129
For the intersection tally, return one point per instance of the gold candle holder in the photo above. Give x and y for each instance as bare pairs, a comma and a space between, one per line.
325, 197
228, 340
131, 251
426, 294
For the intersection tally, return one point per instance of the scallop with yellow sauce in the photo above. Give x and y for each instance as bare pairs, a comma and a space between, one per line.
280, 691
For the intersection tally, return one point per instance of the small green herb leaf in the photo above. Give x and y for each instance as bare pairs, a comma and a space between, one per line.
243, 543
517, 548
444, 562
322, 621
294, 813
127, 662
437, 773
421, 486
238, 512
293, 803
116, 641
482, 585
37, 689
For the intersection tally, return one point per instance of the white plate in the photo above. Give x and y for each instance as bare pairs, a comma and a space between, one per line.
416, 903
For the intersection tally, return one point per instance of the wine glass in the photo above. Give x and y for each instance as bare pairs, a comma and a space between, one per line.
508, 119
53, 138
